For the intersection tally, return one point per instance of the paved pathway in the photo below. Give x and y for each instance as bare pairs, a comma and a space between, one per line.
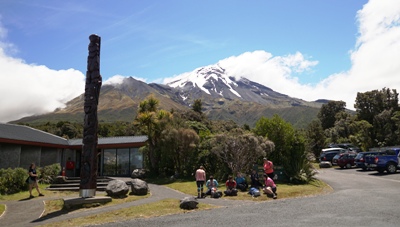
28, 212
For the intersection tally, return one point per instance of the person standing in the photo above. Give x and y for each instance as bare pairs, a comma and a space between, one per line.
33, 180
269, 168
200, 179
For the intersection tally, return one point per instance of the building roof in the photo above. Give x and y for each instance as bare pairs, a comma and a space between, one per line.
105, 142
20, 134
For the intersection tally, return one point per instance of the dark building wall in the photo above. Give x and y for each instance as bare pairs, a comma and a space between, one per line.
30, 154
9, 156
50, 156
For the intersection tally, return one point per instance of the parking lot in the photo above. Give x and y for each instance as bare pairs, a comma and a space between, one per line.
372, 173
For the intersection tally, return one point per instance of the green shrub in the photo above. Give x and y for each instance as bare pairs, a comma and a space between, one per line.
12, 180
49, 173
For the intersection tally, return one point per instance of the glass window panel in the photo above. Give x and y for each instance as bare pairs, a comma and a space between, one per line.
110, 162
136, 159
123, 161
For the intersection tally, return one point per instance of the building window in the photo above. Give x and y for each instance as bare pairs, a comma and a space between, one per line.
121, 161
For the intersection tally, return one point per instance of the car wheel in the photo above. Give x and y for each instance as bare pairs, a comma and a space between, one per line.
391, 168
348, 165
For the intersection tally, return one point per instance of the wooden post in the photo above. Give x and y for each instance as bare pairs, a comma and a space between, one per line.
88, 175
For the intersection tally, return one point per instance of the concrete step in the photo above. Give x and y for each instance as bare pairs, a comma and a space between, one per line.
101, 188
66, 185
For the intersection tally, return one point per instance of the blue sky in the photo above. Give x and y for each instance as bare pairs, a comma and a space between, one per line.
310, 49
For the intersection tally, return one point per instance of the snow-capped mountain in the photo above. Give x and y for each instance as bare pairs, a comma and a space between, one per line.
213, 82
223, 98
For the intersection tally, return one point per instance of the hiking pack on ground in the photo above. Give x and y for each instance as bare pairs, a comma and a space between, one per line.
254, 192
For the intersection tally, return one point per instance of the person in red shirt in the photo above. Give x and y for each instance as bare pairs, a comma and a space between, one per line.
269, 168
230, 187
70, 164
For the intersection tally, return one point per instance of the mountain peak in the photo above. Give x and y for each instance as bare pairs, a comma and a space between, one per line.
210, 79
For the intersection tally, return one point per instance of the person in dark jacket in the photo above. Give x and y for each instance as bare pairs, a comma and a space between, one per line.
33, 177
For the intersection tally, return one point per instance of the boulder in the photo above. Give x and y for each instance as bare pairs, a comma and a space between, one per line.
138, 173
325, 165
188, 203
139, 187
117, 188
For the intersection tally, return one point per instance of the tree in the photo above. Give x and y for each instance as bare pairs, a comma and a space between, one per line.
361, 135
240, 150
378, 108
289, 150
178, 148
371, 103
197, 106
315, 137
152, 122
327, 114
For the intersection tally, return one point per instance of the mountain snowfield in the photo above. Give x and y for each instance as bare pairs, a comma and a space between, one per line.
205, 78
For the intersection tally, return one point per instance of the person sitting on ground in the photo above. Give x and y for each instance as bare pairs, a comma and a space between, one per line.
230, 187
255, 180
241, 182
270, 187
212, 188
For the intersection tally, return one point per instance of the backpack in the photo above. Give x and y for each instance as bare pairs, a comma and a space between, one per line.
254, 192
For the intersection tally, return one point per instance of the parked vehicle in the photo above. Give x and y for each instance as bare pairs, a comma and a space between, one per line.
346, 160
387, 161
360, 159
336, 157
328, 156
342, 150
347, 146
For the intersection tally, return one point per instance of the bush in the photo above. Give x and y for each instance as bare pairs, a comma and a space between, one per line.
48, 174
12, 180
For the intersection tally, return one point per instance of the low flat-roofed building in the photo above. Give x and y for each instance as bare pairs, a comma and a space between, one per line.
21, 145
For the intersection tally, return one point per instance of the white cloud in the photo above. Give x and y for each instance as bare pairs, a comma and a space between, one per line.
375, 61
118, 79
34, 89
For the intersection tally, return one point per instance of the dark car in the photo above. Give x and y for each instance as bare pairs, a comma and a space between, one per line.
360, 159
336, 157
328, 156
346, 160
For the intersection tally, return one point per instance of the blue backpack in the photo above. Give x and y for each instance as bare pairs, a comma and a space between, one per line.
254, 192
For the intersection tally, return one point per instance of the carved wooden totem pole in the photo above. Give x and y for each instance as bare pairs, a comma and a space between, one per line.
88, 182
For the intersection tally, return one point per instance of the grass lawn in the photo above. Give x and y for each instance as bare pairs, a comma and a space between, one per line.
54, 205
315, 187
160, 208
2, 209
